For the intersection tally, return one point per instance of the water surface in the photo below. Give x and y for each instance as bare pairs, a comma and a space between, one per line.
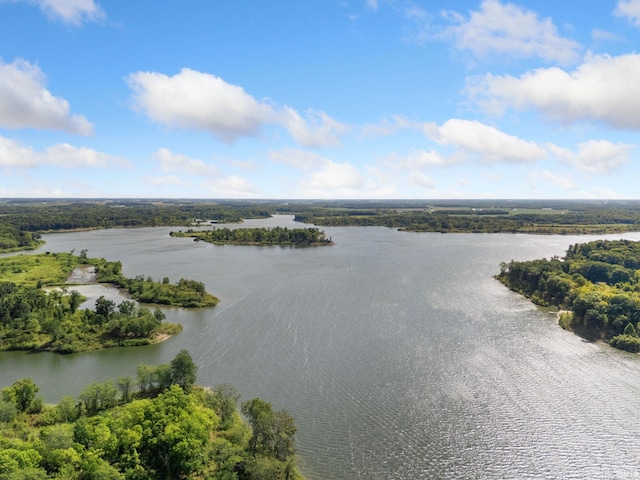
398, 354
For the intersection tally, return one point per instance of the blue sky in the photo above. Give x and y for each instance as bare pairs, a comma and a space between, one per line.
320, 99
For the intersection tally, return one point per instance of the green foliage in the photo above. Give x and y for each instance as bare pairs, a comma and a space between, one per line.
477, 216
33, 217
22, 394
34, 319
299, 237
599, 282
626, 342
183, 370
169, 434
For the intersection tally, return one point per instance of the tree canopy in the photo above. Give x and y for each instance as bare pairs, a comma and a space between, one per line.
158, 433
597, 282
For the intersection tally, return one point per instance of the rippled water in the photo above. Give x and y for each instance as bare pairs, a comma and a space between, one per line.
398, 354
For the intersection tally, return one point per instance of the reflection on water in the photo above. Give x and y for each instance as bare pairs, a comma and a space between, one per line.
398, 354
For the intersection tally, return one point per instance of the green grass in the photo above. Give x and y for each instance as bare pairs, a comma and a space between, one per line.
34, 270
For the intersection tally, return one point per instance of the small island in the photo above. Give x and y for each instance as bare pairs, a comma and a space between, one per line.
40, 312
596, 288
283, 236
159, 425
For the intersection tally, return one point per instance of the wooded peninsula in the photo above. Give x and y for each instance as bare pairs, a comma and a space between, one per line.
596, 286
36, 318
158, 426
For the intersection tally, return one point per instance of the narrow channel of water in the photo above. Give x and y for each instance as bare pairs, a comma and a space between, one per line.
398, 354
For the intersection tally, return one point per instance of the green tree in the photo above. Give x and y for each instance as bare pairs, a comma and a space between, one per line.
125, 385
22, 393
183, 370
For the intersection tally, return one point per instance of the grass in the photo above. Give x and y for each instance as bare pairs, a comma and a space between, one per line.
35, 270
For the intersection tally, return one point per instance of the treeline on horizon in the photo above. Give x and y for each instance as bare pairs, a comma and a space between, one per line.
157, 426
597, 283
23, 221
590, 219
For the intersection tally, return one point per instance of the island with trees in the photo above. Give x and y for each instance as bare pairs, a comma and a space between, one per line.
159, 425
35, 316
283, 236
596, 287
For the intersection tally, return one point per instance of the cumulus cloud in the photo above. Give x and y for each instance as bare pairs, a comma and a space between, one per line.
171, 162
389, 126
194, 100
181, 170
603, 89
26, 103
559, 181
508, 29
629, 9
16, 155
321, 131
299, 159
323, 177
595, 156
486, 143
72, 12
423, 181
418, 159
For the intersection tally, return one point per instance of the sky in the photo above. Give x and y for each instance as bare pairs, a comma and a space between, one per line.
320, 99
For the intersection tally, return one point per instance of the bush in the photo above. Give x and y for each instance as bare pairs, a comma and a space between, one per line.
626, 342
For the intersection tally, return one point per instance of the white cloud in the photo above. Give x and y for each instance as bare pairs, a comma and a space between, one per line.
603, 89
595, 156
508, 29
486, 143
372, 4
335, 176
26, 103
194, 100
323, 130
325, 178
299, 159
16, 155
559, 181
171, 162
231, 186
629, 9
167, 180
202, 175
422, 180
418, 159
73, 12
389, 126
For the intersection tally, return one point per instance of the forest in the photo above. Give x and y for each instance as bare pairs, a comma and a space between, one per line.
35, 317
159, 425
23, 221
297, 237
596, 285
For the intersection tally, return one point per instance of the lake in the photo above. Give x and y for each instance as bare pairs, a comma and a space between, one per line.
398, 354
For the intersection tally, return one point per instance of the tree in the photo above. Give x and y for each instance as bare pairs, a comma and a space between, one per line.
145, 378
22, 393
183, 370
105, 307
124, 385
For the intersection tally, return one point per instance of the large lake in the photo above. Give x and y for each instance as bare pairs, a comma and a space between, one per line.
398, 354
